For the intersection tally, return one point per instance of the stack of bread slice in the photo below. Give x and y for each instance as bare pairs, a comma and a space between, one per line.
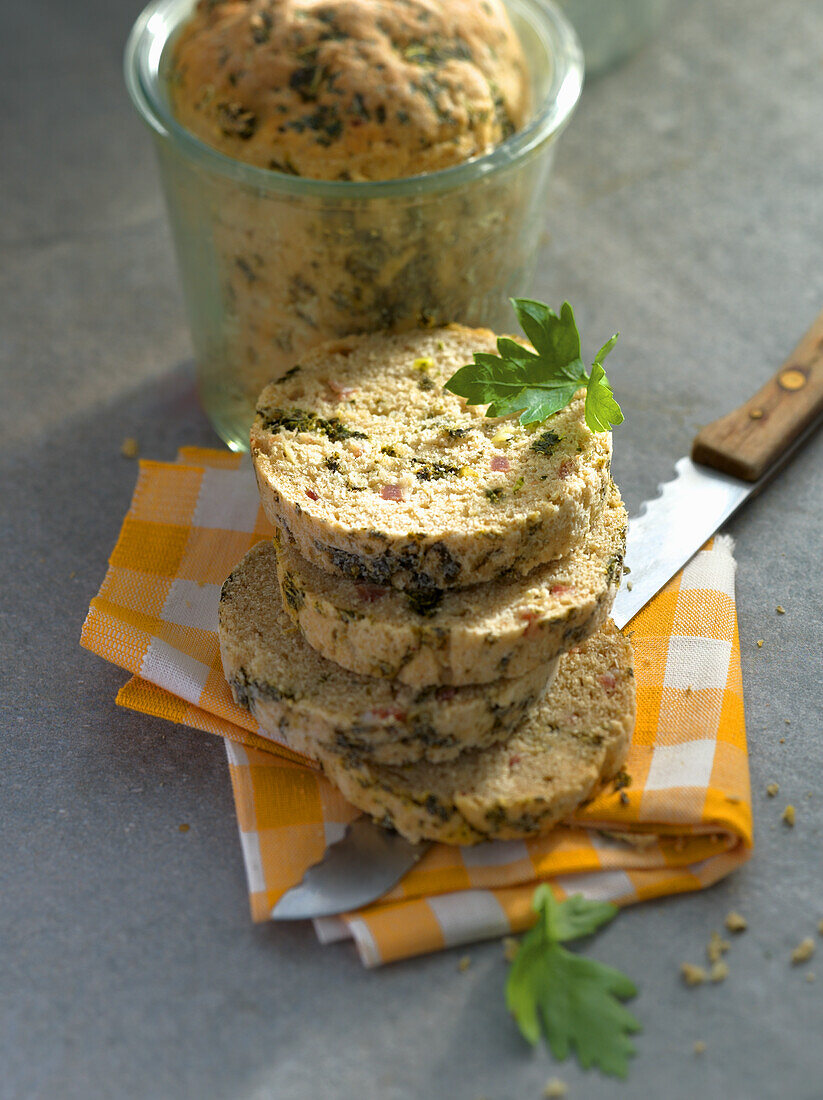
430, 622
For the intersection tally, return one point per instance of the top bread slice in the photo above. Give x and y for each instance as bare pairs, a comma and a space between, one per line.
571, 742
378, 473
464, 635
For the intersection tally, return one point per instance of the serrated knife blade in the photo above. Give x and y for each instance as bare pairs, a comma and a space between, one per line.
733, 458
670, 529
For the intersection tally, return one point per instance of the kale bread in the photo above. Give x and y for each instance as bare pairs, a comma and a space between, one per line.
460, 636
379, 474
569, 744
297, 695
350, 89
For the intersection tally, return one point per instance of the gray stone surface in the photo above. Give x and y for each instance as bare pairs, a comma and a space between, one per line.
687, 211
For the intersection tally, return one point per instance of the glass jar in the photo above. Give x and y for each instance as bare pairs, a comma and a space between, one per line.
272, 264
612, 29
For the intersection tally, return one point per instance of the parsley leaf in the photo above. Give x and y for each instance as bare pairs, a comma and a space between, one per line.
573, 918
537, 384
576, 1001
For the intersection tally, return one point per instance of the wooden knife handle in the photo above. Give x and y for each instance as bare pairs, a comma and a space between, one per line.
746, 442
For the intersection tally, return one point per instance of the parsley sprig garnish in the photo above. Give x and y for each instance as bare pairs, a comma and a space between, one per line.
576, 1001
537, 384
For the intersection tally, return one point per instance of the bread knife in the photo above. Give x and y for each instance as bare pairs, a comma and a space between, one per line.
732, 459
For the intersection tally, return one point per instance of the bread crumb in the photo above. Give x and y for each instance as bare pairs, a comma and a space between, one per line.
555, 1089
736, 922
780, 610
788, 816
719, 971
803, 952
699, 1047
759, 643
772, 790
129, 448
639, 841
692, 975
717, 947
464, 963
628, 586
810, 976
184, 828
511, 945
782, 740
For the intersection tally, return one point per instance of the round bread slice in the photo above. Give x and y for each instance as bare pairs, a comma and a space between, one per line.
569, 744
381, 475
293, 692
505, 628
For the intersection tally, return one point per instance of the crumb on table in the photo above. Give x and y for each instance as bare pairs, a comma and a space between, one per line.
736, 922
692, 975
511, 945
555, 1089
803, 952
717, 947
719, 971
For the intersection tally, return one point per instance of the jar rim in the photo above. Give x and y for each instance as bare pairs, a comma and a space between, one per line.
160, 19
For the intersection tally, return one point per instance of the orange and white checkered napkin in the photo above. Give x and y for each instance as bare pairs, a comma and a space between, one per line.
683, 821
